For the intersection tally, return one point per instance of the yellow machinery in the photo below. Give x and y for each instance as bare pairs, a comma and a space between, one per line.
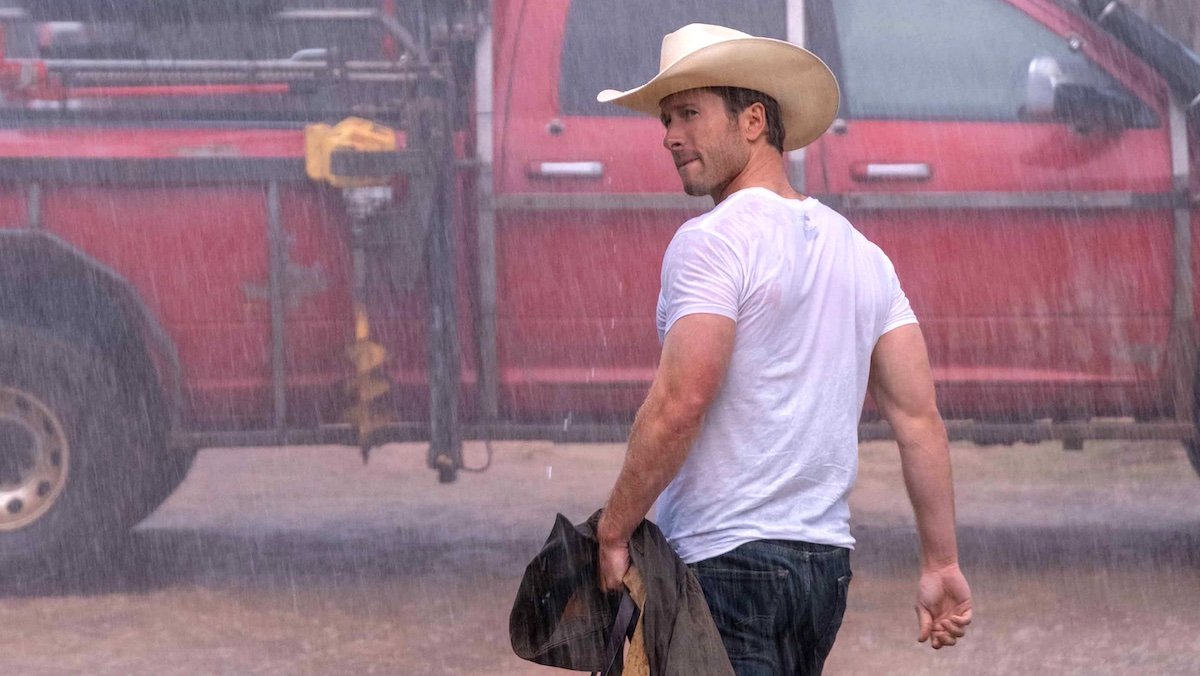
368, 384
321, 141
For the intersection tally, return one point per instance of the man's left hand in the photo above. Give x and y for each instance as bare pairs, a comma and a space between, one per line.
614, 563
943, 606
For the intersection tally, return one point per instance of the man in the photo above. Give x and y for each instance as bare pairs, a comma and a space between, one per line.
775, 317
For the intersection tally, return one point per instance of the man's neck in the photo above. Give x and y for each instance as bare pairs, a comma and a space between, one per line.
764, 169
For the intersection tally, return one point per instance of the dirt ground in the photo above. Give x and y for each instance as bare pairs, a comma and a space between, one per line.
304, 561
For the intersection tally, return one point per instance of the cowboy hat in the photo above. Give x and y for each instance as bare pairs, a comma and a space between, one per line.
703, 55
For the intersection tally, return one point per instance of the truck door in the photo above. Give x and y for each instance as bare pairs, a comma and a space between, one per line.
587, 198
1036, 253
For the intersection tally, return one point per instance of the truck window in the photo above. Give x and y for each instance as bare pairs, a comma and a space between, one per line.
947, 59
603, 52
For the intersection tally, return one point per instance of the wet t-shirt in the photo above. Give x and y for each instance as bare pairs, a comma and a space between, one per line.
777, 453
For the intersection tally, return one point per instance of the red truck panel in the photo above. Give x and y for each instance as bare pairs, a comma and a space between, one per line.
1028, 312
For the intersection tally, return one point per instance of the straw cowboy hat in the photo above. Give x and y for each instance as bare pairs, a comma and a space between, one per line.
703, 55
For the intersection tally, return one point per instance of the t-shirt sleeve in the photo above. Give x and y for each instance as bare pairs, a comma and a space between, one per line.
701, 274
900, 312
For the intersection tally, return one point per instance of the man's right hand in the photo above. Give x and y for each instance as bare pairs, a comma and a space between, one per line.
943, 606
614, 563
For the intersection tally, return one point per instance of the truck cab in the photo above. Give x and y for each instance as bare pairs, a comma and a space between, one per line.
1012, 158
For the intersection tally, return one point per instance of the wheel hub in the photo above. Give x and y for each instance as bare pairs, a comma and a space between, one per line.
34, 459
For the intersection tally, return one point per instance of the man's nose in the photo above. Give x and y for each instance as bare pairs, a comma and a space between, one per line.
672, 140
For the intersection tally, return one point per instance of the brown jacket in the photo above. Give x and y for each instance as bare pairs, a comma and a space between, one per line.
561, 618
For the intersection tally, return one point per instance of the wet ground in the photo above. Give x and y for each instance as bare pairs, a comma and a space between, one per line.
303, 561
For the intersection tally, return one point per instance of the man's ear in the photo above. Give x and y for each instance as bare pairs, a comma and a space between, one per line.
754, 121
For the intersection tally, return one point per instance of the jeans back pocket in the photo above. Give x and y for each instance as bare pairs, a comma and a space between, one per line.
744, 604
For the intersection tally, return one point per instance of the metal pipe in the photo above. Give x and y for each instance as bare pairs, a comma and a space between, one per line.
1182, 347
342, 435
1037, 432
173, 91
219, 65
116, 79
389, 23
326, 14
216, 79
956, 430
401, 33
1065, 201
1108, 9
450, 198
278, 269
445, 379
796, 34
76, 72
34, 198
486, 336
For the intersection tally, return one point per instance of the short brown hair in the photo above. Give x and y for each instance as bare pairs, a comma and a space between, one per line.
738, 99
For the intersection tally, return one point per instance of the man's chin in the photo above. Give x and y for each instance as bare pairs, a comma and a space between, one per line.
695, 190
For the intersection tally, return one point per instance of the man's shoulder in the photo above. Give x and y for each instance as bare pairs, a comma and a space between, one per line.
820, 213
734, 218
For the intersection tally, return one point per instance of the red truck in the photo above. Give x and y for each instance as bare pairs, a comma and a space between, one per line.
197, 251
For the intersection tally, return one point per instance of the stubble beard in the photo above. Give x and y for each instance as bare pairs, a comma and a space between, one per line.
695, 189
697, 186
718, 167
721, 166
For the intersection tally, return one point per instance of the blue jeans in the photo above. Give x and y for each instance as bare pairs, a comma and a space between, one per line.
778, 604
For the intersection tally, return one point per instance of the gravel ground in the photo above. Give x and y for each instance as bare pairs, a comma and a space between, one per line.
304, 561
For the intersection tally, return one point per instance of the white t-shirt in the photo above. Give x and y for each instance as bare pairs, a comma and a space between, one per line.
777, 453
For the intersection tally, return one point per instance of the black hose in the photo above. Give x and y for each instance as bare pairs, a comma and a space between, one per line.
486, 464
1179, 65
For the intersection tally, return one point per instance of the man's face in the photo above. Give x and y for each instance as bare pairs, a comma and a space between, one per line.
706, 144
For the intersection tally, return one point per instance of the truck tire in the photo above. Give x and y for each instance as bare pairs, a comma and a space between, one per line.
76, 462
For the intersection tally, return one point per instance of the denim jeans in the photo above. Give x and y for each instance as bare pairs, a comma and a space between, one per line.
778, 604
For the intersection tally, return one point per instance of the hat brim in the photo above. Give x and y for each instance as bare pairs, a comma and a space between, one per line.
803, 85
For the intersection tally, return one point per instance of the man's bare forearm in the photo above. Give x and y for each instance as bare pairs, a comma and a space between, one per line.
925, 457
658, 444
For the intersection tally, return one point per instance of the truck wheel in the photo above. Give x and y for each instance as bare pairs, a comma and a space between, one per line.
169, 470
73, 456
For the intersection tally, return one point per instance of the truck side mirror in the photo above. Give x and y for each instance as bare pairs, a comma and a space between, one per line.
1075, 97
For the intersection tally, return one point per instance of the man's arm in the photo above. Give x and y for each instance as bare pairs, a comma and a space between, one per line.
902, 385
695, 357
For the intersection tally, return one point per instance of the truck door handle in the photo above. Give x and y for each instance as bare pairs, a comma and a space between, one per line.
899, 171
565, 169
